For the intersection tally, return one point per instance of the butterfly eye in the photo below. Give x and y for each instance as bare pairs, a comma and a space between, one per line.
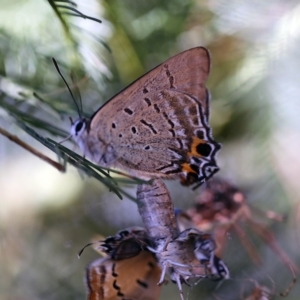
78, 127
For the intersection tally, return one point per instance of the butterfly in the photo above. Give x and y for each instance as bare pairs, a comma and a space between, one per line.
158, 126
185, 256
129, 272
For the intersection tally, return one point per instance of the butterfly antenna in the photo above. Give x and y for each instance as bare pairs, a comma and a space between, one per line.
58, 70
87, 245
74, 81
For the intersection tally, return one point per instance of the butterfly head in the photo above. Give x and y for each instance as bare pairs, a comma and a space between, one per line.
78, 132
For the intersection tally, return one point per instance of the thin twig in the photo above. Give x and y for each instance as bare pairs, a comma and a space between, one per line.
16, 140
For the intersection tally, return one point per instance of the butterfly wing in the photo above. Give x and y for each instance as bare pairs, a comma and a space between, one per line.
126, 243
158, 126
135, 278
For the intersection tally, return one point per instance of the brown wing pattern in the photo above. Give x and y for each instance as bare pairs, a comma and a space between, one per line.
195, 61
158, 126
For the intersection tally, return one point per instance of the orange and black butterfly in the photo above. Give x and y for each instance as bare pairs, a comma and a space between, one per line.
129, 271
132, 269
139, 259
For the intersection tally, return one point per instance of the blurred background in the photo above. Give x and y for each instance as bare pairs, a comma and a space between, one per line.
46, 217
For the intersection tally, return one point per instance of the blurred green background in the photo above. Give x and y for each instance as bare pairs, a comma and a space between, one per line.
46, 217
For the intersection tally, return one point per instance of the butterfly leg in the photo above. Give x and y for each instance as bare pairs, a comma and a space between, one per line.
163, 273
173, 263
167, 264
178, 281
152, 250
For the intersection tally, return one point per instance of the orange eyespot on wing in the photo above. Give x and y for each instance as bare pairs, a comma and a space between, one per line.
200, 148
188, 168
201, 163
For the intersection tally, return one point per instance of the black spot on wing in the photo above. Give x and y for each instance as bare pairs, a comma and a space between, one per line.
116, 287
156, 108
170, 77
143, 284
204, 149
195, 168
150, 126
171, 123
147, 100
113, 272
128, 111
133, 129
172, 132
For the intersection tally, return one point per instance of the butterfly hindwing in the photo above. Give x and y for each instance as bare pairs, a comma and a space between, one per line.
126, 243
134, 278
129, 272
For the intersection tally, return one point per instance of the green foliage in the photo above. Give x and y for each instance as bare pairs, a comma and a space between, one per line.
21, 100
